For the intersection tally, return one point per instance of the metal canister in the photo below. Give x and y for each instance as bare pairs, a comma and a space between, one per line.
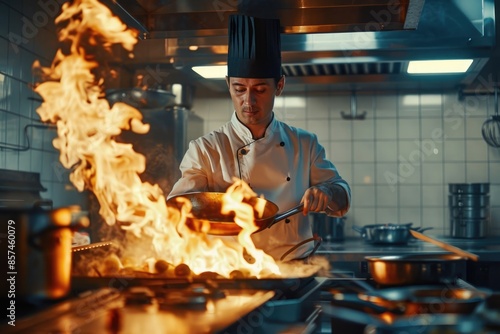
37, 249
469, 205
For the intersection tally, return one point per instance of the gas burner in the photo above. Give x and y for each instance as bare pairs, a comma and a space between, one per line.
210, 292
139, 296
181, 300
195, 296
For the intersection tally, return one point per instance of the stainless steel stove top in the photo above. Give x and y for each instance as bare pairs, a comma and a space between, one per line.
146, 310
178, 308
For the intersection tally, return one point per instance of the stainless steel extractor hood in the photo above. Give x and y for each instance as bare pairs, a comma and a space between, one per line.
347, 44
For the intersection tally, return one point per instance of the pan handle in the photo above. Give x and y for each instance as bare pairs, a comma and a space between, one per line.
287, 214
421, 229
360, 230
317, 241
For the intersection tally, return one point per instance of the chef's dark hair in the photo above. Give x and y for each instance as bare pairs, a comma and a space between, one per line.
254, 47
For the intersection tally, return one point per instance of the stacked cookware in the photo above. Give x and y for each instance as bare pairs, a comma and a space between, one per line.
469, 205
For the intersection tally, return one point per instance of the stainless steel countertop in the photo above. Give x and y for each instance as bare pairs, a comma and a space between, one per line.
356, 248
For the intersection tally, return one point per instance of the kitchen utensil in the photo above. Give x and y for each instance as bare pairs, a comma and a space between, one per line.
491, 127
491, 311
469, 209
414, 268
317, 242
359, 322
206, 206
394, 234
366, 230
469, 188
414, 309
468, 228
469, 200
445, 246
39, 242
470, 213
418, 299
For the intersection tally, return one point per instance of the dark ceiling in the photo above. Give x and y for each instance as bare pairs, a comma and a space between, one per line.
345, 45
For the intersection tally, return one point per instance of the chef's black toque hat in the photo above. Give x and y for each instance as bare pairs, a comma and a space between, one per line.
254, 47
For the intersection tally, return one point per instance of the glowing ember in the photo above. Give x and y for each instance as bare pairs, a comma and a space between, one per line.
87, 126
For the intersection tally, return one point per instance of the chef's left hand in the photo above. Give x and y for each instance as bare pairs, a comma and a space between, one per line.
315, 199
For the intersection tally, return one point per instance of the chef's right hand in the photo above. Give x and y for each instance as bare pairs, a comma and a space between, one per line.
315, 199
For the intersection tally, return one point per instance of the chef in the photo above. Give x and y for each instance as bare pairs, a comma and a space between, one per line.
286, 165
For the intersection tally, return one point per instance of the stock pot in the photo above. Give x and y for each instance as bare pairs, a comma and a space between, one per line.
36, 250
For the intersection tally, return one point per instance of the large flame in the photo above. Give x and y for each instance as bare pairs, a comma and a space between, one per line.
87, 127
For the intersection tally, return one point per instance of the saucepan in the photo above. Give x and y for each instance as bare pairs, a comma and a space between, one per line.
206, 206
394, 234
408, 269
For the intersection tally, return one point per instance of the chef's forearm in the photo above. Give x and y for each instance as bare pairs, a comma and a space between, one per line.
339, 201
339, 194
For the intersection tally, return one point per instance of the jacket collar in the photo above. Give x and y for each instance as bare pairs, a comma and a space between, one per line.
243, 131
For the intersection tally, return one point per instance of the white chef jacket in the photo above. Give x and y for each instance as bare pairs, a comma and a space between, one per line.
281, 166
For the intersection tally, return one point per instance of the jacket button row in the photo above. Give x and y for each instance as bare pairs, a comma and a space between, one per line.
288, 178
287, 221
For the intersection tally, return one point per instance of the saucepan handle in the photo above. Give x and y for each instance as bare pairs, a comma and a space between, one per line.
421, 229
286, 214
360, 230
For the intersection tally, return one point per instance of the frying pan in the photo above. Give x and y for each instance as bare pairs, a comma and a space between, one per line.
413, 300
353, 321
206, 206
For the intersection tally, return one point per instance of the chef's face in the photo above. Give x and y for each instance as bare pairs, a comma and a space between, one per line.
253, 99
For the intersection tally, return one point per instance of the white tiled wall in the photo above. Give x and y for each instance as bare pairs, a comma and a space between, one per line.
400, 159
27, 34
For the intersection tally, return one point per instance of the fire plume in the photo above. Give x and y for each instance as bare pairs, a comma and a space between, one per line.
87, 126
